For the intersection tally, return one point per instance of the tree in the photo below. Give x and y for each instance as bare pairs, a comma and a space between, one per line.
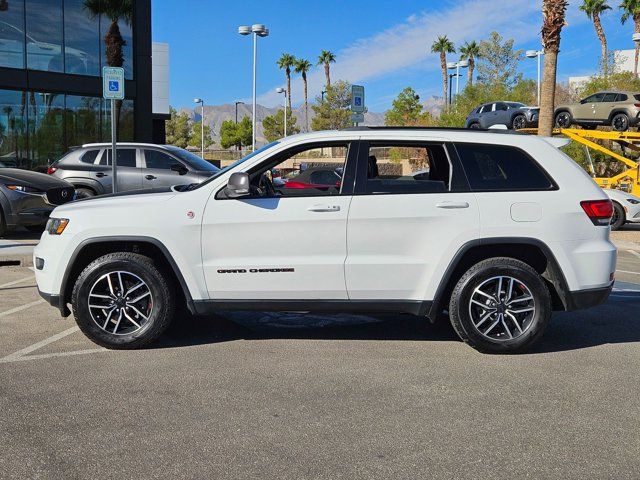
239, 134
593, 9
302, 66
470, 52
273, 125
333, 112
631, 9
177, 129
286, 62
196, 133
499, 61
114, 10
624, 81
443, 46
405, 109
553, 13
326, 58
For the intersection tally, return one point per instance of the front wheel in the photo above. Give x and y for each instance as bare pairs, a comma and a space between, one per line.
618, 219
500, 305
474, 126
122, 300
620, 122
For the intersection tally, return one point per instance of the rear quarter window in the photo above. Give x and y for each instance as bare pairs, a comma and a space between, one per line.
89, 156
497, 168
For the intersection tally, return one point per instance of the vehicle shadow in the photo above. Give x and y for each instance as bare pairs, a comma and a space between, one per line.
615, 322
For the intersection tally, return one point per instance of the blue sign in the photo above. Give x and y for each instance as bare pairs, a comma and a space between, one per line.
113, 83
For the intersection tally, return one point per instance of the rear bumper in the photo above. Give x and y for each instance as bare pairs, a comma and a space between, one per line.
583, 299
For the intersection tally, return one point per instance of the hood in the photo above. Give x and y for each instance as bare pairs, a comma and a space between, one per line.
114, 204
145, 191
530, 108
41, 181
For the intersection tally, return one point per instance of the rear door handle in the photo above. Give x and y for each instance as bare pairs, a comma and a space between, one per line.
324, 208
452, 205
150, 177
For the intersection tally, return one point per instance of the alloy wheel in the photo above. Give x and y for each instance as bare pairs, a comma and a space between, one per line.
120, 303
519, 122
502, 308
563, 120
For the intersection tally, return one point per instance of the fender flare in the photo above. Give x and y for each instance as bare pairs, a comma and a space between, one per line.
557, 275
616, 111
80, 182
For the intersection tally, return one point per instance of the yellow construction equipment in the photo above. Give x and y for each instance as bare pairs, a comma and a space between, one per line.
629, 179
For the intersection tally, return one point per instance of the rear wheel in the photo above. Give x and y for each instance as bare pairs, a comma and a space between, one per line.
500, 305
563, 120
84, 193
121, 300
620, 122
618, 219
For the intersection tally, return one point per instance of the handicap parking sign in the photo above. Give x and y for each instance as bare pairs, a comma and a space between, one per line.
357, 101
113, 83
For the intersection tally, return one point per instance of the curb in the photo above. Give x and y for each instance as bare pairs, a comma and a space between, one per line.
22, 259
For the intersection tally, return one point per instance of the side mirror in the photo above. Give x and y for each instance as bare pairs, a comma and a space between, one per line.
181, 169
238, 185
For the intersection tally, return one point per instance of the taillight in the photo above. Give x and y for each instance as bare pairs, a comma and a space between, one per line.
637, 105
51, 170
599, 211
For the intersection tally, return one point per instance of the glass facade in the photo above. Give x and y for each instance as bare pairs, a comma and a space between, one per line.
36, 128
59, 36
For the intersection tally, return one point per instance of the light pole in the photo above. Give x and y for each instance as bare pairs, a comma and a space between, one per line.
536, 54
322, 94
457, 66
451, 76
258, 30
284, 92
201, 102
636, 39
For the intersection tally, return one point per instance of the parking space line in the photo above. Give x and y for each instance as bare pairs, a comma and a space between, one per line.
24, 358
40, 344
627, 271
633, 252
15, 282
20, 308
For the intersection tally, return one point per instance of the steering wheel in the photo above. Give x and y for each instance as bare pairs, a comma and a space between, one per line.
266, 185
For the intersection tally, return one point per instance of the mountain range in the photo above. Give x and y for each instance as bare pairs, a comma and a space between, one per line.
214, 115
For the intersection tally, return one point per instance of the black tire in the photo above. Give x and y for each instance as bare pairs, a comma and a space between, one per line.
474, 126
84, 193
162, 300
3, 224
563, 119
534, 324
519, 122
619, 217
620, 122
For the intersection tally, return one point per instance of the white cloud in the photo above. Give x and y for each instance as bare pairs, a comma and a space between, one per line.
407, 45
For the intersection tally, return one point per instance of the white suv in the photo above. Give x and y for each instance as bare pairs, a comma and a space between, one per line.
497, 230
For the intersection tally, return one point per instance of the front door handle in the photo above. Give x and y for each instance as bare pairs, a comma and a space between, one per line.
150, 177
100, 174
452, 205
324, 208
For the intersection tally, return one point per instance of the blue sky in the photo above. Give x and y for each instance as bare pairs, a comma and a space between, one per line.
383, 45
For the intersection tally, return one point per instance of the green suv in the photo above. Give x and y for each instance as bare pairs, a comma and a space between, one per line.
619, 110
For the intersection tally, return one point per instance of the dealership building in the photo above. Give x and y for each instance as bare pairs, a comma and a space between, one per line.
51, 58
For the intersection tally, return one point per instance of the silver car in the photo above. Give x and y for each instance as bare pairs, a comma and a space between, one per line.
140, 167
513, 115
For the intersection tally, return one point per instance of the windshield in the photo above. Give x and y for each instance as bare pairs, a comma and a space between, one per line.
516, 105
235, 164
193, 160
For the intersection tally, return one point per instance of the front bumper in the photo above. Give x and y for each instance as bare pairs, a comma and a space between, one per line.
56, 301
583, 299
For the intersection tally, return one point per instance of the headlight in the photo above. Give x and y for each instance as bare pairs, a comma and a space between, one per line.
23, 189
55, 226
633, 201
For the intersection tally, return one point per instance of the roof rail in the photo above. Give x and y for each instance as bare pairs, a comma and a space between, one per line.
435, 129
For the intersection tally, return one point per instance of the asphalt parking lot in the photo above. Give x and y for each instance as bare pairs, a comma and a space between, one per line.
257, 395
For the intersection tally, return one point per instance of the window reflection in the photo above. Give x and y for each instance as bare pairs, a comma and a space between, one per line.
46, 127
44, 35
82, 118
82, 41
12, 35
125, 120
13, 132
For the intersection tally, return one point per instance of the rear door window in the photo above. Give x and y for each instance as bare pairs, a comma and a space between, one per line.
126, 157
491, 168
610, 97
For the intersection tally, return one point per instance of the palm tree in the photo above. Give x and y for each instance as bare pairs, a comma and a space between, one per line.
326, 58
443, 46
593, 9
114, 10
302, 66
470, 51
553, 13
285, 62
631, 9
